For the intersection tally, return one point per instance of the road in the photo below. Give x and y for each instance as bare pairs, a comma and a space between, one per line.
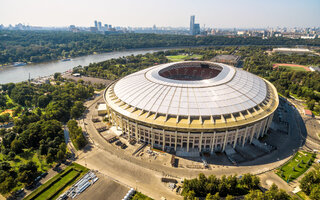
145, 176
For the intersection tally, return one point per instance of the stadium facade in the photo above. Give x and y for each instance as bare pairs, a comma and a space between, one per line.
192, 105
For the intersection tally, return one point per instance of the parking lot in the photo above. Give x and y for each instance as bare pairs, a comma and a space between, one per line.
105, 188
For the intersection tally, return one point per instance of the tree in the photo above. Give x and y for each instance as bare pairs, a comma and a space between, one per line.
57, 111
17, 146
309, 181
3, 100
5, 117
255, 182
311, 104
28, 172
11, 155
22, 93
213, 197
315, 193
246, 181
77, 109
57, 76
229, 197
60, 155
254, 194
190, 196
43, 101
7, 185
76, 135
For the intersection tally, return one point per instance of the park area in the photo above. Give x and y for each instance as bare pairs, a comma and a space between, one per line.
24, 157
59, 183
299, 164
293, 67
182, 57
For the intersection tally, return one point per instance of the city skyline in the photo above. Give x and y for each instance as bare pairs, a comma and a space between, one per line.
231, 14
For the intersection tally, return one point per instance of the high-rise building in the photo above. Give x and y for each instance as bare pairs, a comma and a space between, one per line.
95, 23
196, 29
191, 24
99, 25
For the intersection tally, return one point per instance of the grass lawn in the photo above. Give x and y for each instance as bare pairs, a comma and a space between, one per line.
302, 195
294, 68
183, 57
291, 170
59, 183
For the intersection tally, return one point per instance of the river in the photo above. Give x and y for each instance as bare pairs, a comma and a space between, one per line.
17, 74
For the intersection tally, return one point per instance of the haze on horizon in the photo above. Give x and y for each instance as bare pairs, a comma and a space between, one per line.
174, 13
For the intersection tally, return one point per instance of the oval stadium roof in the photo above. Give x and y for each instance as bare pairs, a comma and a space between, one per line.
192, 88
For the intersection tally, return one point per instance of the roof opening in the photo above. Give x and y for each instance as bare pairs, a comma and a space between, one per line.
191, 71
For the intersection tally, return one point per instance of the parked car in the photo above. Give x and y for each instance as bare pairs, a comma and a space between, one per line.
44, 174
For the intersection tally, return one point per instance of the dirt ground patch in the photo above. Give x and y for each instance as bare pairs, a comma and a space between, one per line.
87, 79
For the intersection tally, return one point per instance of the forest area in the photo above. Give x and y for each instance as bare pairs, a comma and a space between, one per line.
41, 46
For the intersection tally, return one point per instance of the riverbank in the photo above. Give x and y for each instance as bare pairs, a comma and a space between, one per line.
38, 70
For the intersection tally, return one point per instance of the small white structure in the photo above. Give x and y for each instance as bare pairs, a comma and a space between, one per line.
76, 74
291, 50
102, 109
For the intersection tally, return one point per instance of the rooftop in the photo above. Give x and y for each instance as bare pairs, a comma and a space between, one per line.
231, 98
292, 50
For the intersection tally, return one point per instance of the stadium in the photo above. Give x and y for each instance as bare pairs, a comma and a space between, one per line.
194, 106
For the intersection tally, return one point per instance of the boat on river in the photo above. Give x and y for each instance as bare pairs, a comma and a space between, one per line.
17, 64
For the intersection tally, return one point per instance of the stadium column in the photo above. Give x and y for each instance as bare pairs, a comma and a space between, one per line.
200, 142
252, 132
245, 136
236, 138
108, 111
213, 141
136, 129
225, 141
149, 135
259, 130
188, 141
152, 137
264, 126
163, 140
175, 140
123, 129
111, 119
269, 122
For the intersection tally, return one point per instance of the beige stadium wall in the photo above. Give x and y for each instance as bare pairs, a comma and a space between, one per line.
202, 140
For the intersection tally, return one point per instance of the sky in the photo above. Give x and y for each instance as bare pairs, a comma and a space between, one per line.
174, 13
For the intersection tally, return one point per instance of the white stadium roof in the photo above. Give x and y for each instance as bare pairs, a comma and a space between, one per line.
232, 90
